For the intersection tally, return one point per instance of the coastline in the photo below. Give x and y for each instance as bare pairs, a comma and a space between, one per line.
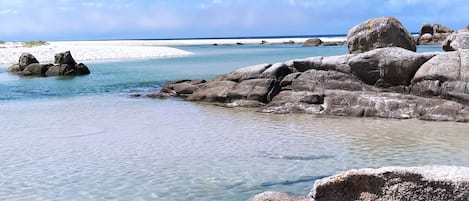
126, 49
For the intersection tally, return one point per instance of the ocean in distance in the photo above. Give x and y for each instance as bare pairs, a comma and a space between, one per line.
84, 138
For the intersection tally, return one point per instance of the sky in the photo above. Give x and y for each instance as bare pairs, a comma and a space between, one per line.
22, 20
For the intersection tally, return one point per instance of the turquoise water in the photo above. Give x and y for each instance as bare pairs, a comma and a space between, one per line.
141, 75
83, 138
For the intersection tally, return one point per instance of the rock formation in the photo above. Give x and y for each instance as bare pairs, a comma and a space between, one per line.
433, 34
64, 65
378, 83
312, 42
378, 33
457, 41
388, 183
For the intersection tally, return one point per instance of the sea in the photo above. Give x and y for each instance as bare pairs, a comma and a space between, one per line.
86, 138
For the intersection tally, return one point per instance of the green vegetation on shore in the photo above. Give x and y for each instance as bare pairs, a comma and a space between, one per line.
34, 43
2, 42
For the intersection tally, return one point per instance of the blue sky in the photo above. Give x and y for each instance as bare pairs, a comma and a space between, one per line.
118, 19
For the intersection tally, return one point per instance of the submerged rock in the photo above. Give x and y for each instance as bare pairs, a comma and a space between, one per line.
378, 33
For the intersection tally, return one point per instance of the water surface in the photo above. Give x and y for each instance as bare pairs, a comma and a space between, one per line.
83, 138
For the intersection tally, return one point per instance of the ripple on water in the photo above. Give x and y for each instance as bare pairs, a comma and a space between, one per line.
115, 148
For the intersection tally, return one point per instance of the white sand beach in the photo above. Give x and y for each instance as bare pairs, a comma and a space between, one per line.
124, 49
87, 51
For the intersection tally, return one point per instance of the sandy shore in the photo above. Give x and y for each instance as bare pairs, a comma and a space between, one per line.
123, 49
86, 51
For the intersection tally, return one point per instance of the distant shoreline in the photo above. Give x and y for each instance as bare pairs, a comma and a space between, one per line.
86, 51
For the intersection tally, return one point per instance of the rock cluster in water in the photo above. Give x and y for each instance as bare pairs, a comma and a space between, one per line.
64, 65
388, 183
433, 34
385, 79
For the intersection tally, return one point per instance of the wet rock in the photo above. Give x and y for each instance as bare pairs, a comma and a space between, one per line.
379, 33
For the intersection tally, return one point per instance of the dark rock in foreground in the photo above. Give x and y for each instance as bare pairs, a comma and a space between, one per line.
446, 183
64, 65
379, 33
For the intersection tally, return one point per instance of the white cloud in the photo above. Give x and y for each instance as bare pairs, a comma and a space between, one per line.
8, 11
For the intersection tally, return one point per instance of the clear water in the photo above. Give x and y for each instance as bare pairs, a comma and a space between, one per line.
84, 139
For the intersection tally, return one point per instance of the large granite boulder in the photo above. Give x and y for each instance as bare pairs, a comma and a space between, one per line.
445, 75
457, 41
388, 183
378, 33
395, 183
312, 42
388, 66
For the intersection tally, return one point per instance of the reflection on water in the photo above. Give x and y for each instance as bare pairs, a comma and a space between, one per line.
116, 148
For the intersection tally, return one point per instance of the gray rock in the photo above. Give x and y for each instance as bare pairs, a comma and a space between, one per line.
277, 196
425, 39
395, 183
388, 66
60, 70
335, 63
180, 88
444, 67
331, 43
320, 80
15, 68
64, 58
439, 28
26, 59
312, 42
35, 69
457, 41
426, 29
379, 33
250, 72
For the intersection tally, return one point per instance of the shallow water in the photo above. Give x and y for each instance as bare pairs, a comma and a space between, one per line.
85, 139
116, 148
